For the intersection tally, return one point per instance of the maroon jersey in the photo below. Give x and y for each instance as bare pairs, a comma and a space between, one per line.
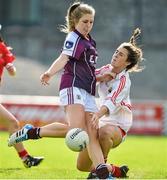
80, 69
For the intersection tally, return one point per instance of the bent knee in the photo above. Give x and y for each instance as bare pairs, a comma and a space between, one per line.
110, 133
104, 134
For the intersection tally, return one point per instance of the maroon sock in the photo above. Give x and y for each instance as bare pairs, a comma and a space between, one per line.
34, 133
102, 171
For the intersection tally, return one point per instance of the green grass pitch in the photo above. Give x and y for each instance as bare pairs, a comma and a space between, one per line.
146, 157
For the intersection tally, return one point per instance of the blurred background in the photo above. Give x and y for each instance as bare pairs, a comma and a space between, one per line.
31, 28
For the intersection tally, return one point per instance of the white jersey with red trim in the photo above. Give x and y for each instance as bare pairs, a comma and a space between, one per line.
115, 95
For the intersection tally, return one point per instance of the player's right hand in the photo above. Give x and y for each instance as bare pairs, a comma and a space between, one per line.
108, 76
45, 77
11, 69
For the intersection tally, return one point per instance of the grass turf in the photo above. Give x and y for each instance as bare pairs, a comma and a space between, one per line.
146, 157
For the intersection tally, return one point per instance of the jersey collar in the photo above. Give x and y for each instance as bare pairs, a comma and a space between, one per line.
79, 34
118, 76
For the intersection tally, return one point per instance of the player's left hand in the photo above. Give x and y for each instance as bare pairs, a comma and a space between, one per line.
108, 76
95, 120
45, 77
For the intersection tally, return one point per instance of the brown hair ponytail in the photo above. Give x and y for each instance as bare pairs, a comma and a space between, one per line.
135, 54
133, 39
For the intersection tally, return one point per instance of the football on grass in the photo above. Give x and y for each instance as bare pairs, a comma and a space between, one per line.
77, 139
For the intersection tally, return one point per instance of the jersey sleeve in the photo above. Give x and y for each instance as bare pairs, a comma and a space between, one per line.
73, 46
114, 99
100, 71
6, 54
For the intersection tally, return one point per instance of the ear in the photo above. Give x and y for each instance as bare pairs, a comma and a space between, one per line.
128, 63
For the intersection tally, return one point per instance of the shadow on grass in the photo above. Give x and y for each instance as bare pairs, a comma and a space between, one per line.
9, 169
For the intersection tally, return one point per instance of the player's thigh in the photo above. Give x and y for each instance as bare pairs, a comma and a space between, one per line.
110, 132
75, 115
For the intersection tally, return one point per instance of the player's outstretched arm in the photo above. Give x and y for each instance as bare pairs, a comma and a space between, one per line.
57, 65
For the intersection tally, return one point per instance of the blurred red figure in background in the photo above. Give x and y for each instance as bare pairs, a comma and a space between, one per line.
6, 118
6, 59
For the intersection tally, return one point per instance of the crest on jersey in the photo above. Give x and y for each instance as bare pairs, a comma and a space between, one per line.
109, 89
78, 97
69, 44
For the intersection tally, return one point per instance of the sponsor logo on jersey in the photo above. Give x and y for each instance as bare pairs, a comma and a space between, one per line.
69, 44
109, 89
78, 97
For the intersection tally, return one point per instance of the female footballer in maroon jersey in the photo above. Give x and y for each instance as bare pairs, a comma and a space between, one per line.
78, 81
6, 118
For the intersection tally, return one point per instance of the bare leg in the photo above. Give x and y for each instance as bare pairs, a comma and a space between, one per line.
11, 123
94, 148
109, 137
84, 163
54, 130
93, 153
75, 115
